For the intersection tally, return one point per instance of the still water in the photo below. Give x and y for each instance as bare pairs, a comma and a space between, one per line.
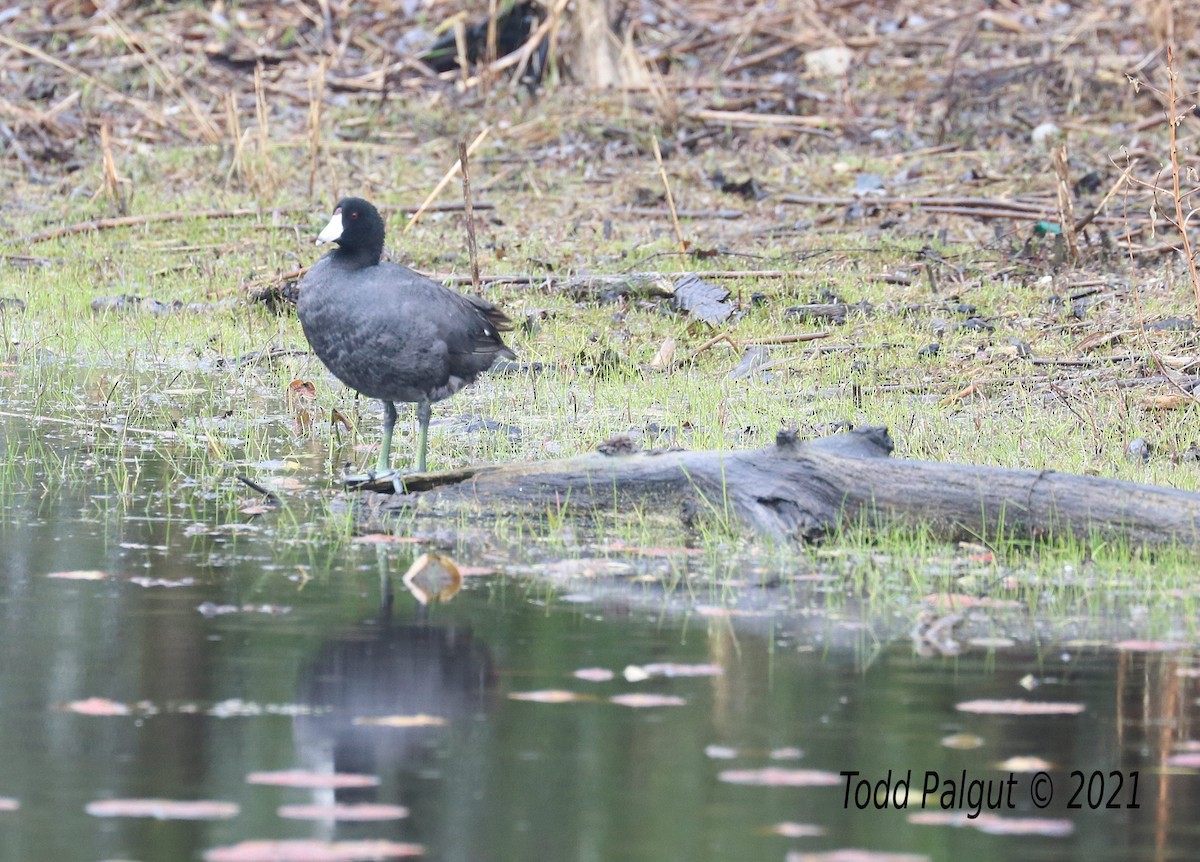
229, 644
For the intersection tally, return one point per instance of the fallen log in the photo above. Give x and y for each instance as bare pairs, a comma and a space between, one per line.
810, 490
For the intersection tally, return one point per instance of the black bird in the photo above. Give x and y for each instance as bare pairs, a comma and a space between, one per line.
389, 332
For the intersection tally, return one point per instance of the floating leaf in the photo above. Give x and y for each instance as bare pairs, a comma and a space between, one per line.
635, 673
594, 674
419, 720
550, 695
162, 582
962, 741
163, 809
306, 850
720, 752
854, 855
9, 804
1020, 707
993, 824
80, 575
433, 577
97, 706
363, 811
312, 780
645, 700
1025, 763
774, 776
789, 752
795, 830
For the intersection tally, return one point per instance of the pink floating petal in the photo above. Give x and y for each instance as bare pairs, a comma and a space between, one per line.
80, 575
1020, 707
9, 804
163, 809
97, 706
313, 780
305, 850
418, 720
550, 695
796, 830
594, 674
1191, 760
386, 539
670, 669
643, 700
994, 824
854, 855
344, 811
788, 753
774, 776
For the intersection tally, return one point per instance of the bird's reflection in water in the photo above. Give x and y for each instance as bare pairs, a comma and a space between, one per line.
367, 683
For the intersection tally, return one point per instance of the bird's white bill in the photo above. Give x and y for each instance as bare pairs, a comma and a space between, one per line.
333, 230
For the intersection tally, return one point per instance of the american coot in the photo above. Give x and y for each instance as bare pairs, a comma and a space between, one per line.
391, 333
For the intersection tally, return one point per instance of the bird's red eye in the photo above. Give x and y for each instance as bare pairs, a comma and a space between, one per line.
353, 216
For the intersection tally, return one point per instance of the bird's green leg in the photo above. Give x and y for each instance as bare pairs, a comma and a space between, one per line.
424, 413
385, 447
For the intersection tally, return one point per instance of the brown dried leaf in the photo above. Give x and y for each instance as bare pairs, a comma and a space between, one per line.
432, 578
1167, 402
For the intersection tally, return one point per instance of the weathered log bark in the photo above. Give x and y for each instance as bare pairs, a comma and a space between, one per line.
809, 490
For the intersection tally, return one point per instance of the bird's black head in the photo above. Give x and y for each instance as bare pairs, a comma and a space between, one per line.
357, 228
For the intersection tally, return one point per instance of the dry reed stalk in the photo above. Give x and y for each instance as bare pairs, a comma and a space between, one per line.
237, 161
265, 178
472, 248
662, 172
316, 96
1066, 204
445, 180
112, 184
